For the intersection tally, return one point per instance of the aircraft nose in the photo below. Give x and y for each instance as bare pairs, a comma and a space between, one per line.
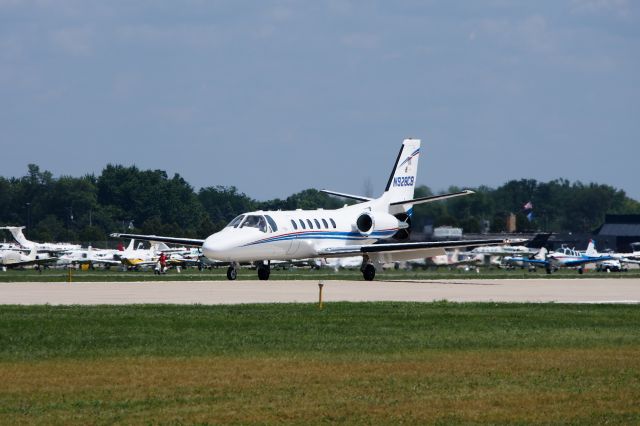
213, 247
209, 248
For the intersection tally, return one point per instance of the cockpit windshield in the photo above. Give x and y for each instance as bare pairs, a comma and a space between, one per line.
255, 222
235, 222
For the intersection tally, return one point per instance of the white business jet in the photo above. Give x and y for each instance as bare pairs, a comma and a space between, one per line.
261, 236
16, 232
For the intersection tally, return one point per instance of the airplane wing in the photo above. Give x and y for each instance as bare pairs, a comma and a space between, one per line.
393, 252
32, 262
194, 242
528, 260
586, 260
96, 261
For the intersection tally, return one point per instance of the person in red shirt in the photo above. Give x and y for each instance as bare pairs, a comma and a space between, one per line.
163, 263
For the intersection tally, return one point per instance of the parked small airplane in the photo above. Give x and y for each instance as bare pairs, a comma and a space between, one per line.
89, 256
262, 236
17, 259
565, 257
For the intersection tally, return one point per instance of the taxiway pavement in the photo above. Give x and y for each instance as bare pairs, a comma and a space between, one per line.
585, 290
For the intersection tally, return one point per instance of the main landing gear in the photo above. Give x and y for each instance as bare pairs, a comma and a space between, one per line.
367, 269
369, 272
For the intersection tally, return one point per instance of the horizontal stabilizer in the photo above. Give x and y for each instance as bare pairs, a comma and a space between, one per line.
433, 198
343, 195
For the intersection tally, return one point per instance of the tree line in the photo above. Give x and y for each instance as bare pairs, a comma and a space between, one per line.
127, 199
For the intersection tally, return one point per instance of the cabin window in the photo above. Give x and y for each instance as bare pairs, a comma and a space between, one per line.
332, 223
317, 223
235, 222
255, 222
302, 224
310, 224
272, 223
324, 222
293, 222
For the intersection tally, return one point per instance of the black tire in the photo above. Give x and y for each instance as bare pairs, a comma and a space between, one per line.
232, 273
263, 272
548, 270
581, 271
369, 272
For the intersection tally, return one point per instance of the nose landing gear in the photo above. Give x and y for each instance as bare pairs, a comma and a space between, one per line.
232, 273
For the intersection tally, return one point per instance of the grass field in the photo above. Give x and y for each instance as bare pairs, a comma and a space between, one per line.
192, 274
362, 363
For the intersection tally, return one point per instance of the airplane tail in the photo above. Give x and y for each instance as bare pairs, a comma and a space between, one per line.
403, 176
541, 255
591, 249
16, 231
398, 194
159, 246
131, 246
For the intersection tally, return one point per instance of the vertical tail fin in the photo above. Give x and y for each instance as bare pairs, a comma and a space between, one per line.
16, 231
131, 246
591, 249
542, 254
401, 184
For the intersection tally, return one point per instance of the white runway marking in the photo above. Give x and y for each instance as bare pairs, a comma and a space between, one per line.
224, 292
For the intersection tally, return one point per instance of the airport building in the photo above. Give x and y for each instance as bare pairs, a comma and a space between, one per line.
618, 232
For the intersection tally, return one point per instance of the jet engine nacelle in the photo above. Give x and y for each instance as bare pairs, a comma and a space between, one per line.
370, 222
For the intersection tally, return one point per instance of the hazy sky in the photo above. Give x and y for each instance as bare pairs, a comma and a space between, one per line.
276, 97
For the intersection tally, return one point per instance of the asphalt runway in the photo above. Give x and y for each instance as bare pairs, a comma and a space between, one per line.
224, 292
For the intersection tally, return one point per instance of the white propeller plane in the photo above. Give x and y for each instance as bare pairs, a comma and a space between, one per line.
261, 236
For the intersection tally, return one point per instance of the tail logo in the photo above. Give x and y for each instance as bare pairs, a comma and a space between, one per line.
406, 169
408, 161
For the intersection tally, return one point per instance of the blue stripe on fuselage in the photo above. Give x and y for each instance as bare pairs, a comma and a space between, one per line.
324, 235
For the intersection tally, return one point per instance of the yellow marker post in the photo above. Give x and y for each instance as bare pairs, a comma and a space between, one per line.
69, 275
320, 285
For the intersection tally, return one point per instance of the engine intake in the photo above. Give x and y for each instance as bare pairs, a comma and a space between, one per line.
383, 224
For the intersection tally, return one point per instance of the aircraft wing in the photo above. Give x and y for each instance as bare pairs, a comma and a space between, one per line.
32, 262
96, 261
586, 260
393, 252
194, 242
528, 260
